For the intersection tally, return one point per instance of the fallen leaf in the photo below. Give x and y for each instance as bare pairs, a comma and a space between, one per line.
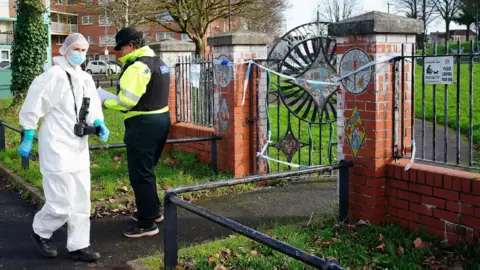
111, 200
334, 240
400, 251
94, 165
232, 236
124, 189
381, 248
116, 167
351, 227
219, 267
211, 259
418, 243
254, 252
117, 156
381, 238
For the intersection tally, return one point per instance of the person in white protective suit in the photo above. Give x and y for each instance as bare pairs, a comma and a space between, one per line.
56, 97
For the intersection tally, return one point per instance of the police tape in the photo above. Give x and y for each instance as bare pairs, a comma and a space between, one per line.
333, 80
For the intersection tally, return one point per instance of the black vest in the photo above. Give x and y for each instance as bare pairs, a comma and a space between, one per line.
158, 88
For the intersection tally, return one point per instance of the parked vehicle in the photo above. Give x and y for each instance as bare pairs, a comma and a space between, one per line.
100, 66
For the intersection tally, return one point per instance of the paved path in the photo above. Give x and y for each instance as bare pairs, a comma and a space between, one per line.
283, 204
440, 143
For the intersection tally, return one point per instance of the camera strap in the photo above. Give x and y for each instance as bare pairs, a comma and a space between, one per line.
74, 98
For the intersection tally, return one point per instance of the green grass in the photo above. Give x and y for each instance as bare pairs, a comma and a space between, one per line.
452, 98
374, 247
441, 48
110, 184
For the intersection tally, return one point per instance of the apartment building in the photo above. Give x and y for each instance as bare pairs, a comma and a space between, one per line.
70, 16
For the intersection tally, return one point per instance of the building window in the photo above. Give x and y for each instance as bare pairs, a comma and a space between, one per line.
164, 16
87, 19
59, 2
103, 20
163, 35
60, 40
185, 37
5, 56
107, 40
89, 39
71, 2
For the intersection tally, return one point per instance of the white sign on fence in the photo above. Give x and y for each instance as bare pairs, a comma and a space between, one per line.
195, 75
439, 70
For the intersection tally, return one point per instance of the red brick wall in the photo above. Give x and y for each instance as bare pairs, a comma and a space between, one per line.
183, 130
445, 201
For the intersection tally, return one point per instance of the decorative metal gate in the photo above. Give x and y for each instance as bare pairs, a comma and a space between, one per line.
302, 115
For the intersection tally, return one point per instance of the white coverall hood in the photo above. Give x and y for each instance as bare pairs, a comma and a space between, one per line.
64, 157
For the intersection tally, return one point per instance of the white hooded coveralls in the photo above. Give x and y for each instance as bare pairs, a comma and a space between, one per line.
64, 157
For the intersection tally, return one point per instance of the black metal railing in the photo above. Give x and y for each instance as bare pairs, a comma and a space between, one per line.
171, 201
105, 81
25, 161
194, 90
431, 125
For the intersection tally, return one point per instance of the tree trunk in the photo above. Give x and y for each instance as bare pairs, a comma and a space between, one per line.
199, 45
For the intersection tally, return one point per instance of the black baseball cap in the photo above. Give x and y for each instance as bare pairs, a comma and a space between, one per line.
126, 35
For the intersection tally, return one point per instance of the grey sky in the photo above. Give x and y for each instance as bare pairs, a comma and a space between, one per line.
303, 11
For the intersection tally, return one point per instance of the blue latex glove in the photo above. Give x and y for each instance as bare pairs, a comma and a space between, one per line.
27, 143
104, 132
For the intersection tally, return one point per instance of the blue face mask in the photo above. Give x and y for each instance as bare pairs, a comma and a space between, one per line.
77, 58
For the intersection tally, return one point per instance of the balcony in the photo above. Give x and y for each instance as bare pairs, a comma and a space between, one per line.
63, 23
63, 28
6, 39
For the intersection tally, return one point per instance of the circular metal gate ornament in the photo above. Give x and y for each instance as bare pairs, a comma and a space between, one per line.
223, 74
352, 60
305, 53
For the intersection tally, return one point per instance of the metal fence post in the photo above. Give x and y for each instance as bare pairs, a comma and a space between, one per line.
170, 233
25, 161
214, 156
343, 202
2, 137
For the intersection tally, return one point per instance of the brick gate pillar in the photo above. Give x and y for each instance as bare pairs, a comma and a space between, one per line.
231, 118
365, 103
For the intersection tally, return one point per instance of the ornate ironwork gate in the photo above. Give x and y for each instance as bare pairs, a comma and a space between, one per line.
302, 115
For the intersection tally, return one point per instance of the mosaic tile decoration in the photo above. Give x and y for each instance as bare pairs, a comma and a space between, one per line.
223, 74
355, 132
289, 145
351, 61
223, 115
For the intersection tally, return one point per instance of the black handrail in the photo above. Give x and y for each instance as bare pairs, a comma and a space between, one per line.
25, 161
171, 201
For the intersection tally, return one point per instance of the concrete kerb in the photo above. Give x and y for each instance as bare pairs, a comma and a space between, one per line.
29, 191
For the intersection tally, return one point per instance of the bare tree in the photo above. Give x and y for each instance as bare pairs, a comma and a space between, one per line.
265, 16
194, 16
415, 9
121, 13
448, 10
337, 10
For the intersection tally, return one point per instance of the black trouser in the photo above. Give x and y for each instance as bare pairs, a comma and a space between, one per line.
145, 138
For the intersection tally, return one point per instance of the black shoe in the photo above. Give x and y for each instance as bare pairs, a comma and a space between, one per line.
84, 254
137, 231
45, 245
158, 218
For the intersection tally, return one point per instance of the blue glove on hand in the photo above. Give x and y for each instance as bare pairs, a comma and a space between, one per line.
27, 143
104, 132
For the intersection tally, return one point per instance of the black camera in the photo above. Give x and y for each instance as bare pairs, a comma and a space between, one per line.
81, 127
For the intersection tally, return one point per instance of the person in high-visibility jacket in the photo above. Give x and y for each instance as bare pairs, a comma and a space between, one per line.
142, 95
